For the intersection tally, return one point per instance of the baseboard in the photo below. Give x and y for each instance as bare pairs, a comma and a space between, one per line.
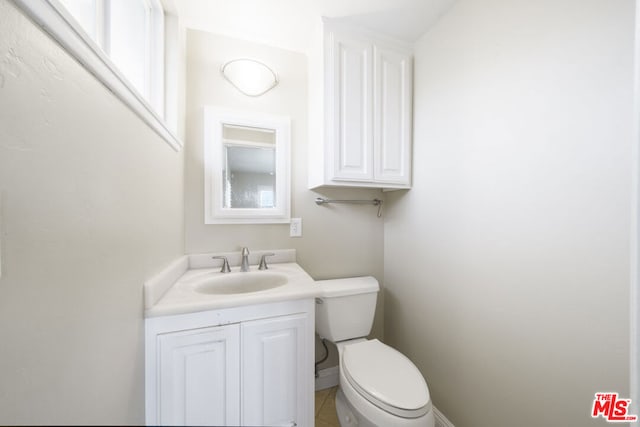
441, 420
327, 378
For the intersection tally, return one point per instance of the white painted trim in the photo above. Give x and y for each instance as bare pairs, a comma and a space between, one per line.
156, 63
441, 420
172, 64
327, 378
55, 21
634, 293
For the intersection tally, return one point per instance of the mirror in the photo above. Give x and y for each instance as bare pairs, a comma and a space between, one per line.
246, 167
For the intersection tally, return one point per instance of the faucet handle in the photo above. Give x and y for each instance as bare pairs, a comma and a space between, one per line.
263, 261
225, 264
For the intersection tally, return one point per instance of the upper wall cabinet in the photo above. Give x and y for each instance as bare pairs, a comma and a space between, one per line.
360, 110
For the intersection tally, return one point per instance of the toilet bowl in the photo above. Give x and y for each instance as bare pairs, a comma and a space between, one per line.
378, 386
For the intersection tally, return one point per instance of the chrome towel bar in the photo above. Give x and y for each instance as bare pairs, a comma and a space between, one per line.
374, 202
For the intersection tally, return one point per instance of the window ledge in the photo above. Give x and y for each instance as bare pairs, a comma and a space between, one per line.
53, 20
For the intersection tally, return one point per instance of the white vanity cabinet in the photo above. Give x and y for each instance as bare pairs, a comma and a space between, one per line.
361, 87
249, 366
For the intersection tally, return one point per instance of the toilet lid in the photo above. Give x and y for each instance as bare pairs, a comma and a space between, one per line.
386, 378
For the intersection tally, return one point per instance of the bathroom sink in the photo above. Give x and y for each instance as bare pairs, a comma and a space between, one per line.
241, 283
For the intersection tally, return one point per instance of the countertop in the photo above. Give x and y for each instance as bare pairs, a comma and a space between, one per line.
182, 297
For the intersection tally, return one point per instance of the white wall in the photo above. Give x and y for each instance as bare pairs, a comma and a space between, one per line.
91, 206
507, 264
337, 241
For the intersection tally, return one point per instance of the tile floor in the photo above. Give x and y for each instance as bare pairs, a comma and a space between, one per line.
326, 408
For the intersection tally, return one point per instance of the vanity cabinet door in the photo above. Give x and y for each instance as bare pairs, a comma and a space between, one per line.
199, 376
277, 372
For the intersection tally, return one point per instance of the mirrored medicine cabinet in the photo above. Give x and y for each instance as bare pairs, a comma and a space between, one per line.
246, 167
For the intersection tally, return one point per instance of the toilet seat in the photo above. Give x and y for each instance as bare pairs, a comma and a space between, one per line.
386, 378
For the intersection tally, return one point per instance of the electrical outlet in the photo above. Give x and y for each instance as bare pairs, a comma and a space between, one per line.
295, 227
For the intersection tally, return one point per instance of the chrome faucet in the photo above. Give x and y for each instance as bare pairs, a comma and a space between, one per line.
263, 261
245, 260
225, 264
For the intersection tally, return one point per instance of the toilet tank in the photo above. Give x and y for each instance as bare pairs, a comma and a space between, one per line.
345, 307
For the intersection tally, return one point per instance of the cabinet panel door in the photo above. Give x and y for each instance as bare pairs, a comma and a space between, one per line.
199, 373
351, 108
393, 116
276, 372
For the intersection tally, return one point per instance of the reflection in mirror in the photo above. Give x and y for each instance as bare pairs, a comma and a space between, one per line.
249, 171
249, 177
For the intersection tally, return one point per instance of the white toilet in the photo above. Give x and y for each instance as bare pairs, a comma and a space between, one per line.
379, 386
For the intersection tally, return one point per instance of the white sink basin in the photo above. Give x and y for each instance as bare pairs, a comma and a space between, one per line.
201, 286
241, 283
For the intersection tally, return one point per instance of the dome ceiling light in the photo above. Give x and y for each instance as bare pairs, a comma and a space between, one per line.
251, 77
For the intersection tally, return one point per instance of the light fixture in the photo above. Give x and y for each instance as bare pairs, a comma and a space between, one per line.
251, 77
